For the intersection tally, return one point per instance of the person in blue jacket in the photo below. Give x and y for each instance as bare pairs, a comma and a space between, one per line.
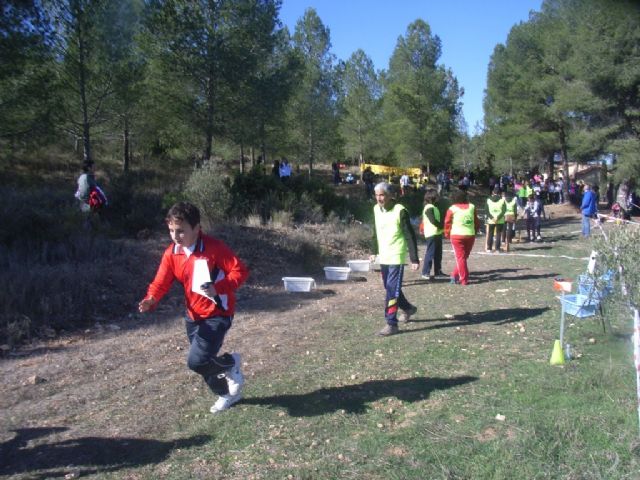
589, 208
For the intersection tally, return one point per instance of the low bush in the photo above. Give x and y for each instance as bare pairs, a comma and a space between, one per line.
309, 201
209, 190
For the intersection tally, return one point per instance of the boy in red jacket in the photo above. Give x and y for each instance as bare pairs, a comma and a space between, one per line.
210, 306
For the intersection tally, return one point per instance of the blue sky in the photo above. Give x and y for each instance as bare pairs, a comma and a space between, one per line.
469, 31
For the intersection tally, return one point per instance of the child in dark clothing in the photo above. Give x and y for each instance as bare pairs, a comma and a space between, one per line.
433, 227
534, 211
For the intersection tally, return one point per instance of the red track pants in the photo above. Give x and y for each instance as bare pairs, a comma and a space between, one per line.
462, 246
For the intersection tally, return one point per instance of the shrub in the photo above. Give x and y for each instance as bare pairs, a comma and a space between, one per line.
209, 190
281, 219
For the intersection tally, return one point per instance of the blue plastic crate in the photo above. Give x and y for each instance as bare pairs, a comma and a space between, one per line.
579, 305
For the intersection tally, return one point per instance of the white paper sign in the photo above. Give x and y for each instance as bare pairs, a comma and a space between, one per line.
201, 275
592, 262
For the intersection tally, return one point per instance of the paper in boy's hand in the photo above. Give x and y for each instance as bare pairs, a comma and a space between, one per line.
200, 275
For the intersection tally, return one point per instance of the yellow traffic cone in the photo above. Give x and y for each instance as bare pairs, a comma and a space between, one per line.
557, 355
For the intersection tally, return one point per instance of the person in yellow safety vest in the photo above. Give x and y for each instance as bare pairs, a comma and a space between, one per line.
432, 221
461, 225
510, 217
496, 209
523, 193
392, 235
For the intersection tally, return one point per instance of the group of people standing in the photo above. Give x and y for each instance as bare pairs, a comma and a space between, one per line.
394, 236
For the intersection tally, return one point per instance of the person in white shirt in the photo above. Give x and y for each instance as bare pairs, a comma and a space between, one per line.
405, 181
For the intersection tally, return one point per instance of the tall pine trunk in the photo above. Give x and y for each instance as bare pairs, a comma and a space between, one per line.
126, 150
565, 164
82, 84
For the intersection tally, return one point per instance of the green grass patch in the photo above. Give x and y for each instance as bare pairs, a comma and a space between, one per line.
465, 391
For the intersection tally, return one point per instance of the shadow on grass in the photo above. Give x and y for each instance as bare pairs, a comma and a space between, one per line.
500, 316
535, 247
497, 271
482, 277
84, 455
353, 398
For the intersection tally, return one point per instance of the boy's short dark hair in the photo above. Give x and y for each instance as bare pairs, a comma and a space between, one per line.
184, 211
430, 196
460, 196
87, 165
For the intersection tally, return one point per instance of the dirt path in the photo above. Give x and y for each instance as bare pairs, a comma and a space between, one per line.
127, 377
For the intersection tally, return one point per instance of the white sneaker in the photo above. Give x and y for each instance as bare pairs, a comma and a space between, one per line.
235, 379
538, 238
224, 402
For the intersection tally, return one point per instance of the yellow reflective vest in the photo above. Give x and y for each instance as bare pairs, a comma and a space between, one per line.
496, 211
429, 228
392, 246
462, 222
524, 192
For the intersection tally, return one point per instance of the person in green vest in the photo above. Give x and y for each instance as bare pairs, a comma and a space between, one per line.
523, 193
460, 225
392, 236
510, 218
432, 221
496, 209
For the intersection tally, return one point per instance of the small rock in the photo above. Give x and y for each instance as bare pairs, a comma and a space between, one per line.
500, 417
34, 380
592, 340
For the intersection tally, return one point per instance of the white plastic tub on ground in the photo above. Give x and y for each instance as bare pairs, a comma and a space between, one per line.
298, 284
359, 265
337, 273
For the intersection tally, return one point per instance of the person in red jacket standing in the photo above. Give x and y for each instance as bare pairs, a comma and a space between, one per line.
210, 305
460, 226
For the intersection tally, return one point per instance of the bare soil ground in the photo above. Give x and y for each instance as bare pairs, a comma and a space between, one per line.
125, 377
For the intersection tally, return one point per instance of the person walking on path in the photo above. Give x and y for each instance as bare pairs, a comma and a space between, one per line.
86, 183
432, 222
496, 210
460, 226
589, 208
393, 234
210, 305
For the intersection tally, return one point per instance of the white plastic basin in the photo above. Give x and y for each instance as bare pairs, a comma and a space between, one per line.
298, 284
337, 273
359, 265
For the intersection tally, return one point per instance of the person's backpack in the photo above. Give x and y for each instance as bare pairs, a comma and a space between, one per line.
97, 199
